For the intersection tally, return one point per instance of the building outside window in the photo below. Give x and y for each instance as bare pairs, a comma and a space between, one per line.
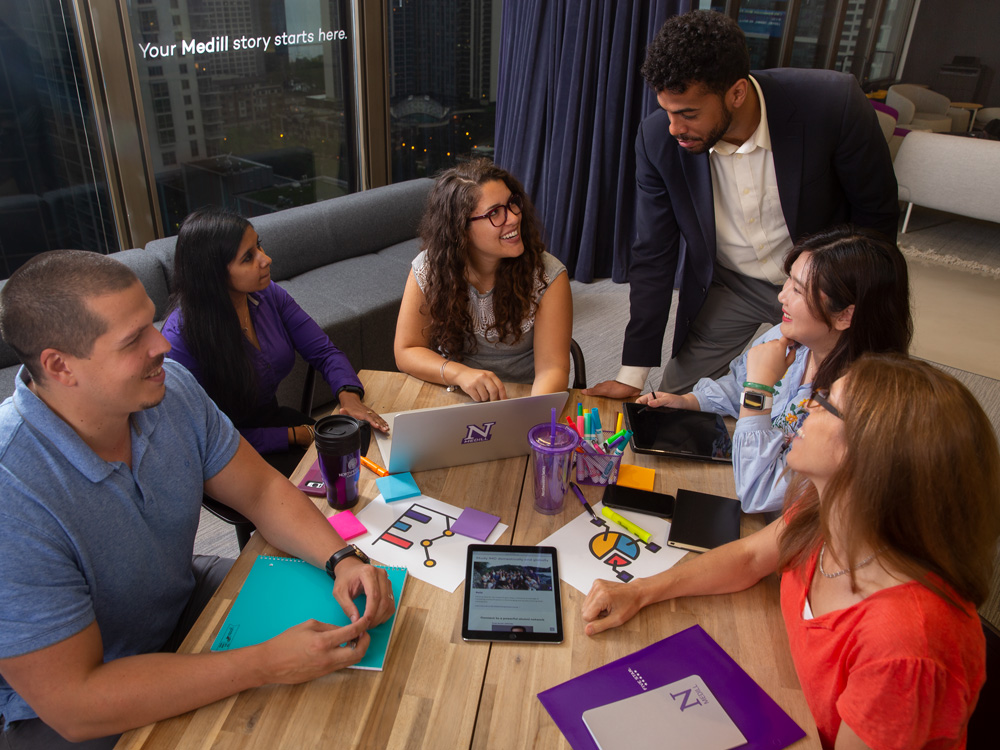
269, 94
443, 62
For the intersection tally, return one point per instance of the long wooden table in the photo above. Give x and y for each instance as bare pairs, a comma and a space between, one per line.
438, 692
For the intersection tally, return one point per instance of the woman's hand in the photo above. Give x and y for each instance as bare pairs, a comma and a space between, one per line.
300, 436
674, 401
481, 385
609, 605
350, 404
768, 362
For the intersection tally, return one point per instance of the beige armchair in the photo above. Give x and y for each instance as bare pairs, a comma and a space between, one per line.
922, 109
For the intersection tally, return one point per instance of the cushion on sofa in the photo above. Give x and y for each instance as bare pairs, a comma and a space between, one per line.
148, 267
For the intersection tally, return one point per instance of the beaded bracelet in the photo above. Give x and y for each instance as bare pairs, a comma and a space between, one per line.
759, 387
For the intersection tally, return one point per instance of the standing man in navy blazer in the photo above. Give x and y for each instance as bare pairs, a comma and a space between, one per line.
731, 171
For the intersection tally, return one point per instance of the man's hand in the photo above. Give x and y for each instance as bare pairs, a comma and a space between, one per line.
609, 605
482, 385
353, 577
311, 650
612, 389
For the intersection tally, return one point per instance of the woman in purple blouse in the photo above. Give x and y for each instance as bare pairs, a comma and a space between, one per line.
237, 332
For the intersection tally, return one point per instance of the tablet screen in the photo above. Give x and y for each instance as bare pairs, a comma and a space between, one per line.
678, 432
512, 594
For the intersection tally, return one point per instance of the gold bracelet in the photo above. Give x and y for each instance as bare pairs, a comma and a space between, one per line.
444, 364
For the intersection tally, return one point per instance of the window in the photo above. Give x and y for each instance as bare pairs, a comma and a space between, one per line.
268, 117
443, 62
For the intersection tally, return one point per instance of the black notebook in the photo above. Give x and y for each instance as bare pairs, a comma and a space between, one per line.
702, 522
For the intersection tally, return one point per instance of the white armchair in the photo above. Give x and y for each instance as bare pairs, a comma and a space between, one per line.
922, 109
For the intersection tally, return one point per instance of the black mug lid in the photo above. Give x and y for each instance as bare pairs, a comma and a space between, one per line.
338, 434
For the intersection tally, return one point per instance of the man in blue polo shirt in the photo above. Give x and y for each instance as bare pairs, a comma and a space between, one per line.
105, 452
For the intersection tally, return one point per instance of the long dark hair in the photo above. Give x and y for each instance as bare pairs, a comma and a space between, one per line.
854, 266
444, 230
207, 242
920, 478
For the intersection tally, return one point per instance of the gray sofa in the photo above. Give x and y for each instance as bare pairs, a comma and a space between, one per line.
344, 260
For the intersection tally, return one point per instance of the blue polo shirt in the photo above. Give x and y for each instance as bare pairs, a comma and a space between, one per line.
82, 539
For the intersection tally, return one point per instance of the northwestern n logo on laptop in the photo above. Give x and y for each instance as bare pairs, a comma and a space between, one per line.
476, 434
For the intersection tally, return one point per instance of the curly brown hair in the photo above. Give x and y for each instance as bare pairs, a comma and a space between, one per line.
444, 230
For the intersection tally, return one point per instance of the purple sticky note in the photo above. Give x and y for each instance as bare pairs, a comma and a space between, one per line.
347, 525
474, 523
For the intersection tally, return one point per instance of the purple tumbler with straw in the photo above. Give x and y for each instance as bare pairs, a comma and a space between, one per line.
552, 447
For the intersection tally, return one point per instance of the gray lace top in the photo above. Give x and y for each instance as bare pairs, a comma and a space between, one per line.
511, 363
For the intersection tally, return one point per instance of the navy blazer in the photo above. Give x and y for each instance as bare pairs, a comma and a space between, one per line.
832, 165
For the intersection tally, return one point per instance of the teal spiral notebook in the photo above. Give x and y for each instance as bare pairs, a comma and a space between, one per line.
282, 592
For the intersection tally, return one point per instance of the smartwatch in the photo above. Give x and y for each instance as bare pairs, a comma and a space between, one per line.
351, 550
756, 401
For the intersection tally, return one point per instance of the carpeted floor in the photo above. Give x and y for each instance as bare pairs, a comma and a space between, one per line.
946, 239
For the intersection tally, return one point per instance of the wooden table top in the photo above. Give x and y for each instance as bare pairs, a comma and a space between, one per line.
438, 691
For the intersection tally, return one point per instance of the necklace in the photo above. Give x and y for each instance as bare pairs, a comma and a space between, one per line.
861, 564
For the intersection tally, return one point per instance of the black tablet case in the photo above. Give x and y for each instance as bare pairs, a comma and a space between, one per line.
702, 522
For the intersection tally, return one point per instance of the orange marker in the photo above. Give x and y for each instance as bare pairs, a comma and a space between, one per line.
372, 466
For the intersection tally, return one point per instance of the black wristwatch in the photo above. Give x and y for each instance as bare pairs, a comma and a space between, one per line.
350, 550
351, 389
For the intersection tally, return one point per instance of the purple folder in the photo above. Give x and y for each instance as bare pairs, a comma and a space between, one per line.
691, 651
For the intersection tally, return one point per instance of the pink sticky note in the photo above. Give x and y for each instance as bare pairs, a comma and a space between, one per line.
347, 525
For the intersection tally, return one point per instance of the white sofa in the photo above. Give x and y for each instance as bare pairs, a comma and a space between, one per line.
922, 109
949, 173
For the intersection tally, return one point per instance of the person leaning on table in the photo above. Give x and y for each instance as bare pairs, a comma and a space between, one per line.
105, 451
238, 332
484, 302
847, 294
885, 548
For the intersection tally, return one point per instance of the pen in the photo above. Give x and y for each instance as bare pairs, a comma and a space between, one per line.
583, 500
644, 535
618, 424
372, 466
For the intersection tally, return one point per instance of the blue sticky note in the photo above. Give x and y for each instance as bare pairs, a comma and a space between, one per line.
397, 487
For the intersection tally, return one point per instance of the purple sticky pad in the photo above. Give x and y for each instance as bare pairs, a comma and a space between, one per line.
347, 525
476, 524
397, 487
312, 483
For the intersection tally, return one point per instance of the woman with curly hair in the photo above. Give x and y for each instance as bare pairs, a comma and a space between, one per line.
484, 303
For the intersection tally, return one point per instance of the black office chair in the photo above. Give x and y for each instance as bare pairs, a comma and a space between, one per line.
579, 366
983, 726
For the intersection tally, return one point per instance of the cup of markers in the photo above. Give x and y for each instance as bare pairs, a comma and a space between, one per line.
597, 459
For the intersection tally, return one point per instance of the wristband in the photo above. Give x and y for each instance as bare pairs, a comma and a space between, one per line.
760, 387
756, 401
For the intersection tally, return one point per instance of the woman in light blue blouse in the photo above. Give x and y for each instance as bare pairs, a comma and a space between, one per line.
847, 293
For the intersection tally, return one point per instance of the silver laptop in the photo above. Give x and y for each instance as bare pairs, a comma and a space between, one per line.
463, 433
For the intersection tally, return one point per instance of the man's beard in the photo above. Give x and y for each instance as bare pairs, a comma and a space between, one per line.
704, 144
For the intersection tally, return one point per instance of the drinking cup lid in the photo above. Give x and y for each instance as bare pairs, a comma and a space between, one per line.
542, 438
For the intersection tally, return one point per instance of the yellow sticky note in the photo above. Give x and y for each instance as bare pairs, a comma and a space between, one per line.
638, 477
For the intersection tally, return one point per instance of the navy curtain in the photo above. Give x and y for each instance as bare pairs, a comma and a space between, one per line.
569, 101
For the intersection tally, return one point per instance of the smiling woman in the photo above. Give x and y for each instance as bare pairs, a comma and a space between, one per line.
484, 303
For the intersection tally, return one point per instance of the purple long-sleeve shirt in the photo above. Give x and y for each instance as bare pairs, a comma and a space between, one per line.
282, 329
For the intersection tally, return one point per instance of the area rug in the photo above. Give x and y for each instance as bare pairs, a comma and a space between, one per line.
939, 238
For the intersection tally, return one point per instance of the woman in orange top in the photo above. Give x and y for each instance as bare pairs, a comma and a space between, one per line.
886, 547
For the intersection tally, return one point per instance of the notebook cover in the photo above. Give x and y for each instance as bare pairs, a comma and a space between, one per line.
691, 651
281, 592
702, 522
686, 711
